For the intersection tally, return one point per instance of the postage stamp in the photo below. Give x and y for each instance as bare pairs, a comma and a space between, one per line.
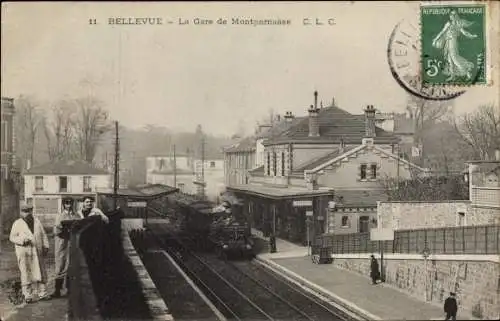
453, 44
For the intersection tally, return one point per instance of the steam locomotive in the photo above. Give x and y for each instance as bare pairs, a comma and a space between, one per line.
221, 229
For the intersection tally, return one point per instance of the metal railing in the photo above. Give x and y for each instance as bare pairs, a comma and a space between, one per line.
479, 239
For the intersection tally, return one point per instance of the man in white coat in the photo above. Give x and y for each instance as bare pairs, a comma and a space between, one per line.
32, 245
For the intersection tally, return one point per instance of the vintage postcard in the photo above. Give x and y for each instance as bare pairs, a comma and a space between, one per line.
250, 160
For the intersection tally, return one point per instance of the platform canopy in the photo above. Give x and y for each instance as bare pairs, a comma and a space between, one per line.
144, 192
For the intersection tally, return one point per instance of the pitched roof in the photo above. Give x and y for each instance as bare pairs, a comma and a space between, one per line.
334, 124
322, 159
362, 198
65, 167
280, 127
245, 145
325, 161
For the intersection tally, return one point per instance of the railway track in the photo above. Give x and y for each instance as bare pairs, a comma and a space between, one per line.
244, 290
230, 301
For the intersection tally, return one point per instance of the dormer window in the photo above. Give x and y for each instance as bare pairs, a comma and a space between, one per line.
373, 171
363, 171
282, 163
268, 163
274, 164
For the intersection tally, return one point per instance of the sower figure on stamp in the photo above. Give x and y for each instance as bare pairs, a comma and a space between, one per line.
62, 241
451, 307
447, 40
374, 271
32, 245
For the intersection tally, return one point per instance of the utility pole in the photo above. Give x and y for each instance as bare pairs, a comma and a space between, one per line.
175, 169
117, 160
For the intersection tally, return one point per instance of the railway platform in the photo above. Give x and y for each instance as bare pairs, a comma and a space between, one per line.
350, 290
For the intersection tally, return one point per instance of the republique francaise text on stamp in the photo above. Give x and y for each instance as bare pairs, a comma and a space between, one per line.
453, 44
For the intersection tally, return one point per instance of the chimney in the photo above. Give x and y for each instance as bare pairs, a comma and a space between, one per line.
370, 121
288, 116
315, 99
313, 122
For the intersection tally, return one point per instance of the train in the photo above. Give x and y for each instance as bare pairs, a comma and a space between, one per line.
216, 228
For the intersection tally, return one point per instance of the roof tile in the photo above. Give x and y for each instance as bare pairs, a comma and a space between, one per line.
66, 167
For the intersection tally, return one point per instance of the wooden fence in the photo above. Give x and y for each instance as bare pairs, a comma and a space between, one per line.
480, 239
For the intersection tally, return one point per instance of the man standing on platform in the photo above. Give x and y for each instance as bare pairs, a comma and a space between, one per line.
32, 245
374, 271
451, 307
62, 240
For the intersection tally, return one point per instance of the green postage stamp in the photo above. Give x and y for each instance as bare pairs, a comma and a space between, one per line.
453, 44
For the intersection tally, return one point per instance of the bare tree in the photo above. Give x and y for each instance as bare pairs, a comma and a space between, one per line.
29, 120
91, 123
425, 114
481, 131
59, 130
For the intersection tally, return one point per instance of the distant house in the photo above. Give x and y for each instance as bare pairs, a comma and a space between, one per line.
47, 184
185, 170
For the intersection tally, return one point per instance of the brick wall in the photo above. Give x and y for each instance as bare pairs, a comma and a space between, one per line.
477, 283
416, 215
9, 210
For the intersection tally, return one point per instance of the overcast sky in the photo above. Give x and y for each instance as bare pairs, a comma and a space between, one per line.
181, 75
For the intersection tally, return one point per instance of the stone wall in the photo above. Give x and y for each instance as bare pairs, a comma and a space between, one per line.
484, 215
417, 215
477, 283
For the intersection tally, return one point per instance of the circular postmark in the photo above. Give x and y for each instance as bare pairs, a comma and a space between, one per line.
404, 54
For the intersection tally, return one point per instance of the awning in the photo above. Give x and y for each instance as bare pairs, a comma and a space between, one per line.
279, 193
149, 191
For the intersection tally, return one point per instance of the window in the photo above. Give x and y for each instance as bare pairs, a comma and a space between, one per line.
4, 172
282, 164
5, 136
373, 171
274, 164
87, 184
63, 184
364, 224
363, 171
38, 183
461, 218
345, 221
268, 162
212, 164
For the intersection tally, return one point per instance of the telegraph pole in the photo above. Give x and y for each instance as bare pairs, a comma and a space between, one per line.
117, 160
175, 169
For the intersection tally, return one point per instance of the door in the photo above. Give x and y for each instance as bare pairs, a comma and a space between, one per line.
364, 224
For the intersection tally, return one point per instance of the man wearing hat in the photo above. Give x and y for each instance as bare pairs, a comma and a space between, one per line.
32, 245
451, 307
62, 240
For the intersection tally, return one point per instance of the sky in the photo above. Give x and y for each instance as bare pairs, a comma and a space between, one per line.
179, 76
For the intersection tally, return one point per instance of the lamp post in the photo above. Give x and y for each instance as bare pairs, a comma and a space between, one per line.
426, 253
